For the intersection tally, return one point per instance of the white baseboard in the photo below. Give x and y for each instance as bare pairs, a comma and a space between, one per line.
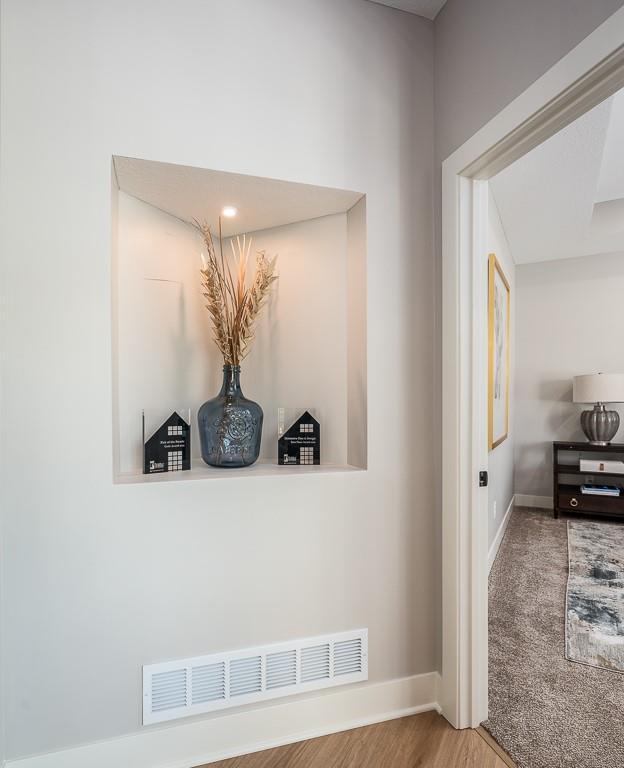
540, 502
496, 542
217, 738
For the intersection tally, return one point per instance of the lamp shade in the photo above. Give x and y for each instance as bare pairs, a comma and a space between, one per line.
598, 388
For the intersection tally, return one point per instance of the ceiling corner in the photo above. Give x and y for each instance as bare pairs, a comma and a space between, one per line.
428, 9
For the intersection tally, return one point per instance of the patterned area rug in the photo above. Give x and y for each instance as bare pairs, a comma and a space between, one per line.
595, 595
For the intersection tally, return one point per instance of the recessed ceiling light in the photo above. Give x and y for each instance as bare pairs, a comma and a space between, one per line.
229, 211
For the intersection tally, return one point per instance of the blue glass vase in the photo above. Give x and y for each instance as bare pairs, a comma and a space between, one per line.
230, 425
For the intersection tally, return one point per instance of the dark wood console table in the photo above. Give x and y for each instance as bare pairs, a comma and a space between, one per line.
568, 478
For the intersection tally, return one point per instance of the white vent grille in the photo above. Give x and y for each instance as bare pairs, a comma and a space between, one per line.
281, 669
169, 690
206, 683
315, 663
348, 657
245, 676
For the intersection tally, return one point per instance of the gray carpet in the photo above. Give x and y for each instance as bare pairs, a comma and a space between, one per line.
547, 712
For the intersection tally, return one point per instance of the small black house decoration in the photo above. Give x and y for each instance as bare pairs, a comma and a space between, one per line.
301, 443
169, 448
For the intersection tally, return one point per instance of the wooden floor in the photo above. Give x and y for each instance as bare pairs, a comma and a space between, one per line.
421, 741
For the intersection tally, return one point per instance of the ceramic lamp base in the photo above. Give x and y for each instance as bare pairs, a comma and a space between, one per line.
600, 426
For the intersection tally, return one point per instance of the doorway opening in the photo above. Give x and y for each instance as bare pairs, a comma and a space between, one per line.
555, 240
592, 72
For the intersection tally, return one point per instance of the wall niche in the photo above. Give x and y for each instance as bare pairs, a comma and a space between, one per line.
310, 346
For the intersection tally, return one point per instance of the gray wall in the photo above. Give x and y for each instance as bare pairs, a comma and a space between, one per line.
501, 459
570, 317
100, 579
488, 51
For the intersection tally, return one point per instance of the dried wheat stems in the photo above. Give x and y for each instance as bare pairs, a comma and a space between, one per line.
233, 305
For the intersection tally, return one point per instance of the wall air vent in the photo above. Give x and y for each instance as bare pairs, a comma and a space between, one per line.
185, 687
315, 663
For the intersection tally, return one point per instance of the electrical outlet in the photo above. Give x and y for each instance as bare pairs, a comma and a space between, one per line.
494, 511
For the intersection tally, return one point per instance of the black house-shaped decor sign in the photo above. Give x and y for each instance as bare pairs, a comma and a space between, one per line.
301, 443
169, 448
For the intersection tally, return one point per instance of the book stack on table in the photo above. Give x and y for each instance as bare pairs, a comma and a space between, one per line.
600, 490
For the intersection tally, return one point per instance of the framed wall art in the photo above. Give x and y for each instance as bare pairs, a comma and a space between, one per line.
499, 300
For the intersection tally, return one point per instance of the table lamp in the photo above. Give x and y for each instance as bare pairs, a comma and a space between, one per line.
599, 425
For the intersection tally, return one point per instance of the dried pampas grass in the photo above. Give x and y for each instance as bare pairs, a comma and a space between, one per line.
234, 305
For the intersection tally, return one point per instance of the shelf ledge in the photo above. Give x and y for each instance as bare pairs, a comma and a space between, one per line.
262, 468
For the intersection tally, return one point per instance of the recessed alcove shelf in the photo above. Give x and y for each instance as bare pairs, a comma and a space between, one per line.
310, 348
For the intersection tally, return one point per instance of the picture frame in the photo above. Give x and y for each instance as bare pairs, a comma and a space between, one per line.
499, 357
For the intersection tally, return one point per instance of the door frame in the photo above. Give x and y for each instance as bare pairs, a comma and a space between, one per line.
590, 73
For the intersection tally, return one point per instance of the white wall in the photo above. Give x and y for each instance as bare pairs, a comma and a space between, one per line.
569, 321
163, 352
166, 356
501, 459
99, 578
